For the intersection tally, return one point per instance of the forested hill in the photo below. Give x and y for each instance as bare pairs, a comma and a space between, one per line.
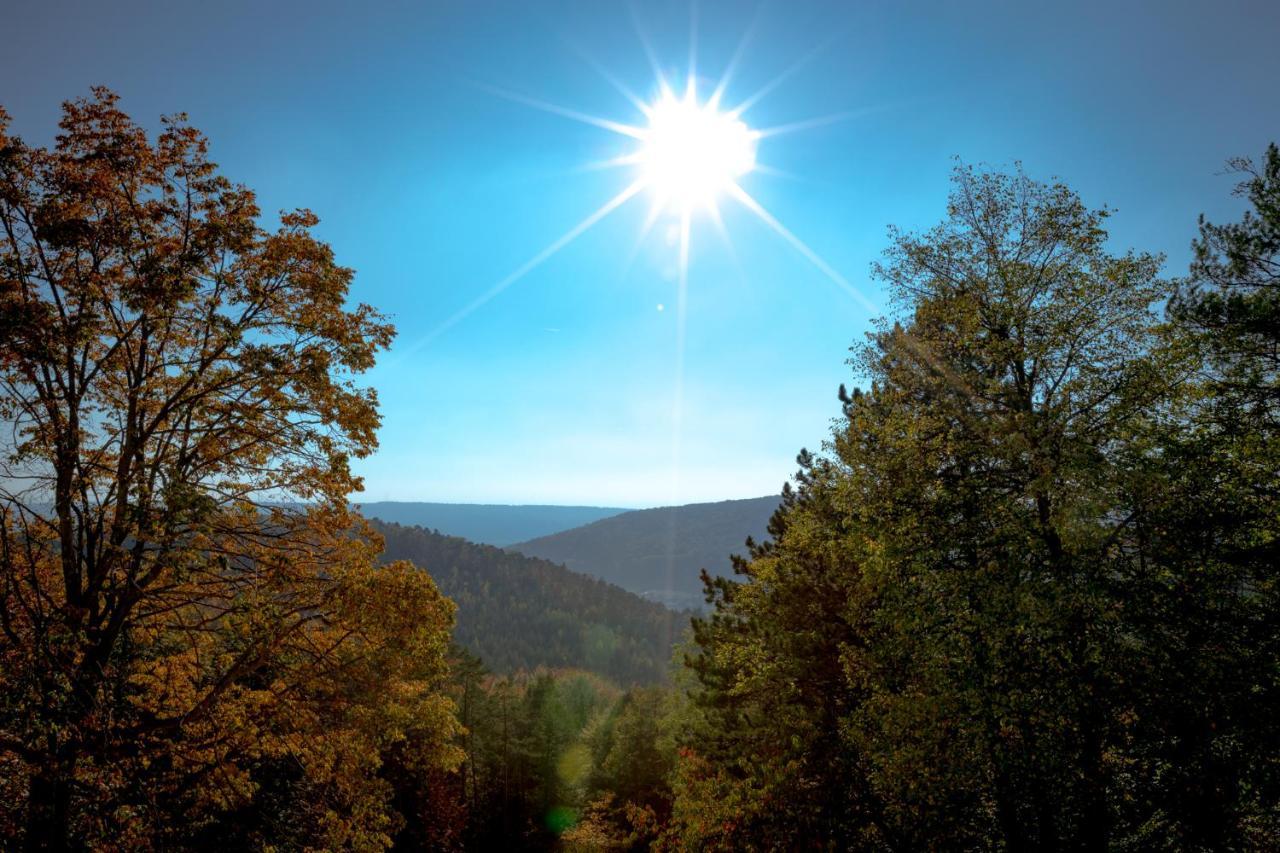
659, 552
517, 612
491, 524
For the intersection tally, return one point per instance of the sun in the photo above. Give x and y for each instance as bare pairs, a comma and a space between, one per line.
691, 154
686, 154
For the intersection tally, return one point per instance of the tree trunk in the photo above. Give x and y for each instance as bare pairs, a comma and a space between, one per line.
49, 807
1012, 829
1095, 829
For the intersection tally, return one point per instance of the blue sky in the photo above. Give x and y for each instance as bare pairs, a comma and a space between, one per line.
562, 388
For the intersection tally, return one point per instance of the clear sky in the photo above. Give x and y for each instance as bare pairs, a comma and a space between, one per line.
563, 387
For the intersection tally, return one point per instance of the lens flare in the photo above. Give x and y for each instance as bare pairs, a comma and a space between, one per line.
688, 155
691, 153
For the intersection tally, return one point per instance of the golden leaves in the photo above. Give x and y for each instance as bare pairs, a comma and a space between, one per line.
198, 605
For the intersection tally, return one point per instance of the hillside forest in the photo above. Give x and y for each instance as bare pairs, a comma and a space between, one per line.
658, 553
1023, 597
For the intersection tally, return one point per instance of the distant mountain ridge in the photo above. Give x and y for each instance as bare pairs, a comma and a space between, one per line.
488, 524
658, 553
517, 612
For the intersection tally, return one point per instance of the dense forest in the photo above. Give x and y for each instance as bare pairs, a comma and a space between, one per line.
487, 524
1024, 597
659, 553
520, 613
557, 759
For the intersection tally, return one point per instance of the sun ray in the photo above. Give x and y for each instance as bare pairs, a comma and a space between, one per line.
546, 106
726, 240
774, 172
693, 43
682, 306
830, 272
647, 46
527, 267
650, 219
677, 399
686, 219
713, 213
610, 78
800, 246
800, 63
808, 123
543, 176
611, 163
736, 57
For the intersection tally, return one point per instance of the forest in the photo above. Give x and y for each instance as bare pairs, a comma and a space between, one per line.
520, 613
659, 553
1023, 597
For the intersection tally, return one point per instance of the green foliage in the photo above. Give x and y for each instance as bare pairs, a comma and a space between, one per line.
1027, 597
520, 613
560, 760
1232, 299
527, 759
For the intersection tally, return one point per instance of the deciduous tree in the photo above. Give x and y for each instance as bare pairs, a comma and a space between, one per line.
931, 651
188, 609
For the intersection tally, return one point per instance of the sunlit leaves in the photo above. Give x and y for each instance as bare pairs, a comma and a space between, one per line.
192, 615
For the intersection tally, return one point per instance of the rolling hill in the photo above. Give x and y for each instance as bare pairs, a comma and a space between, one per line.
519, 612
490, 524
658, 553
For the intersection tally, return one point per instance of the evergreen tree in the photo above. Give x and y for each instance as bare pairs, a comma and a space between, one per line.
1209, 603
1233, 297
932, 650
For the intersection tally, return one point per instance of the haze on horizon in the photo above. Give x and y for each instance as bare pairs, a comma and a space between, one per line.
570, 386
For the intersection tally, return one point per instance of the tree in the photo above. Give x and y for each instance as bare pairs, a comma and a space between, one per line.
523, 613
930, 651
1232, 298
1208, 507
637, 763
187, 604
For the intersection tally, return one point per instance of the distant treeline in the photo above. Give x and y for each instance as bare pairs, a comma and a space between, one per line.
659, 552
1026, 597
489, 524
555, 759
520, 613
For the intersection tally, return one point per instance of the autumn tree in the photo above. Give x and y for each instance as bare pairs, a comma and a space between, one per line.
190, 617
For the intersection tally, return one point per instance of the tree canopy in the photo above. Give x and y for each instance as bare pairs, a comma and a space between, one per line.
1022, 600
176, 639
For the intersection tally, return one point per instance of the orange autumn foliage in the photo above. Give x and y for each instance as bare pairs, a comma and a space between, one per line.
190, 615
